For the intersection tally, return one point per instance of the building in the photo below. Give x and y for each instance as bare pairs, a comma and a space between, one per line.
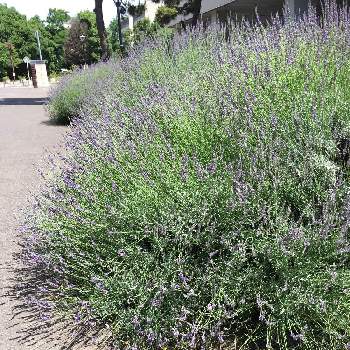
214, 10
149, 11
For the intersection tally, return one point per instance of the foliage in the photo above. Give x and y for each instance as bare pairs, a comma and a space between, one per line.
136, 10
73, 91
76, 45
203, 200
50, 50
55, 25
93, 41
16, 29
113, 36
83, 43
165, 14
13, 29
172, 8
143, 29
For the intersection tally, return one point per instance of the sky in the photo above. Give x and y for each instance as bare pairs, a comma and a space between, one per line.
31, 8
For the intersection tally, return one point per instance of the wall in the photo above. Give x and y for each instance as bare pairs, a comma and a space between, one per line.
208, 5
297, 7
151, 9
213, 9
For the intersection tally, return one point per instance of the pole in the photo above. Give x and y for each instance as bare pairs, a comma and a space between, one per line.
84, 55
84, 42
118, 3
28, 71
39, 46
13, 67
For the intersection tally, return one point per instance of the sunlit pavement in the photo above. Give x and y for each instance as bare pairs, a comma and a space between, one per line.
25, 134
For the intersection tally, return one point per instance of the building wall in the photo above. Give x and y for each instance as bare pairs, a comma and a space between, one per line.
151, 9
296, 7
213, 10
241, 6
249, 8
220, 9
209, 5
150, 13
180, 18
300, 6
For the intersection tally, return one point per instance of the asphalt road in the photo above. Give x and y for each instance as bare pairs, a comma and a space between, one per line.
25, 137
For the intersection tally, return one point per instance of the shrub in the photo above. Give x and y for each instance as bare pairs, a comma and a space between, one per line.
73, 91
165, 14
204, 198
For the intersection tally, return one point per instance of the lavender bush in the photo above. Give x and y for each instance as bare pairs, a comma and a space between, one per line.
73, 91
204, 199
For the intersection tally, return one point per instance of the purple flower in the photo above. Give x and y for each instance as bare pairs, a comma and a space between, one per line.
151, 337
221, 337
121, 253
77, 317
176, 332
212, 167
297, 337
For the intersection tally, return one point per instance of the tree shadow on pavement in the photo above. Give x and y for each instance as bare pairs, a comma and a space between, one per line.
38, 101
52, 122
40, 329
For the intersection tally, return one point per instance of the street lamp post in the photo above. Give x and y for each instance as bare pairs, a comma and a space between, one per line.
120, 10
83, 40
26, 60
39, 45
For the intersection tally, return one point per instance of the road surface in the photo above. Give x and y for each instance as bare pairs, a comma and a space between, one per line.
25, 135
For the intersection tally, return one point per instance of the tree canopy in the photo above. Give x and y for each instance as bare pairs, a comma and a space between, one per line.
66, 41
17, 30
16, 40
83, 41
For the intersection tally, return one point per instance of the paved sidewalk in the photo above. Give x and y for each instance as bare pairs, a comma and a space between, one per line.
25, 134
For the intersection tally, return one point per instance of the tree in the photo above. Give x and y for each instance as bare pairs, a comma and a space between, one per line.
173, 7
165, 14
144, 29
101, 30
113, 36
9, 46
75, 47
56, 22
47, 45
82, 44
15, 32
93, 47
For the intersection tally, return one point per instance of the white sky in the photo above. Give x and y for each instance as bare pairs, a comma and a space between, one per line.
31, 8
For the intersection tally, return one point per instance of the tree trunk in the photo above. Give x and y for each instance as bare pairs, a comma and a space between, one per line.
101, 30
196, 10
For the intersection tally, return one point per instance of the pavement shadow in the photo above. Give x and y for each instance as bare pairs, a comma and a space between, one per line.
52, 122
38, 329
38, 101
